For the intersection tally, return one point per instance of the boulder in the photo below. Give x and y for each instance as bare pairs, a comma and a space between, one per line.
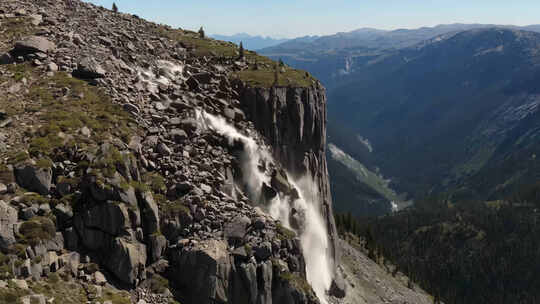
280, 182
259, 223
37, 271
8, 219
189, 125
89, 68
34, 299
192, 83
248, 276
99, 278
51, 260
126, 259
206, 271
7, 58
150, 213
263, 251
36, 19
203, 78
266, 272
56, 243
158, 243
52, 67
21, 284
179, 135
71, 261
131, 108
25, 269
33, 44
3, 189
112, 218
338, 288
268, 193
163, 149
64, 214
236, 229
71, 239
34, 178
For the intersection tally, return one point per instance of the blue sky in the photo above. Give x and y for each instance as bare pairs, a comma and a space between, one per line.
293, 18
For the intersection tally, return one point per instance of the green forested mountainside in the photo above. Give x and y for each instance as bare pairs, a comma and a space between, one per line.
464, 252
354, 195
450, 114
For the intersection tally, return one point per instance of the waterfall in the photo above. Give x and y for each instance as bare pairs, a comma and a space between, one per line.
313, 234
314, 238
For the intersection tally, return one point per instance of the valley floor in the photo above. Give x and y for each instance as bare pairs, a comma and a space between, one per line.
369, 283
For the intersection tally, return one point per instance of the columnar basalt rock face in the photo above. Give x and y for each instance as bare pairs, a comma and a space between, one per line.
294, 122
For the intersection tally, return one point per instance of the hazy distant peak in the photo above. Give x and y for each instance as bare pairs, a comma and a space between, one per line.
250, 42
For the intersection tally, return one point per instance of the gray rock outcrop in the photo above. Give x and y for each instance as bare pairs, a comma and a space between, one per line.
294, 122
34, 178
33, 44
8, 220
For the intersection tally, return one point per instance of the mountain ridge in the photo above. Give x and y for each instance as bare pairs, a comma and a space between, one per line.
251, 42
476, 68
332, 58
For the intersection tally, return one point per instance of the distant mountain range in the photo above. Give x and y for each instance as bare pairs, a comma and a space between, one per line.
459, 112
449, 109
332, 57
250, 42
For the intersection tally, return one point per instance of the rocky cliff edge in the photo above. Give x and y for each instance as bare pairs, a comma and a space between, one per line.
112, 191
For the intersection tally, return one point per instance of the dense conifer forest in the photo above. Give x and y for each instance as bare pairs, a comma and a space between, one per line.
461, 252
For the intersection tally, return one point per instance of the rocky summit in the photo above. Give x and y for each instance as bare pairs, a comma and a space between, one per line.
112, 188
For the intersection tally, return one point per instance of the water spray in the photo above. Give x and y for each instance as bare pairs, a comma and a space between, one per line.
313, 235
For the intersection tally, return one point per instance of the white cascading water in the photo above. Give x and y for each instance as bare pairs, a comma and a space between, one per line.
163, 73
313, 236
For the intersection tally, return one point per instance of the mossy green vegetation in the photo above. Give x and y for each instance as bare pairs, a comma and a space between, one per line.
115, 297
287, 77
140, 186
17, 157
173, 208
200, 46
109, 161
12, 295
44, 163
82, 106
284, 233
33, 198
296, 281
16, 28
36, 230
248, 249
20, 71
158, 284
70, 292
5, 268
261, 70
156, 182
6, 175
67, 291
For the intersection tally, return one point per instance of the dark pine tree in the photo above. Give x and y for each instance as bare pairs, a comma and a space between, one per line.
241, 50
201, 32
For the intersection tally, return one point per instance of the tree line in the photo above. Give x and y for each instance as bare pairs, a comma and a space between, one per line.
461, 252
